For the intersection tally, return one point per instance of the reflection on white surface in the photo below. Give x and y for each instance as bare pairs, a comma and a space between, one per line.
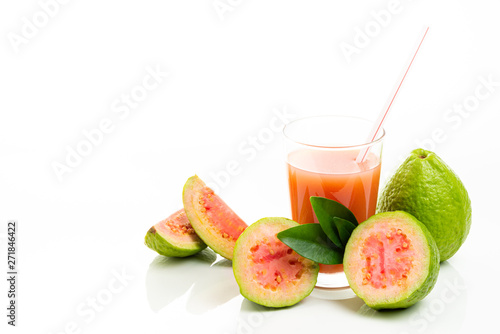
215, 288
333, 293
442, 311
337, 281
208, 283
168, 278
204, 286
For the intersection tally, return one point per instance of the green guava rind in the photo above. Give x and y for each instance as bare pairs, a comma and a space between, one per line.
202, 224
263, 229
427, 188
428, 277
168, 244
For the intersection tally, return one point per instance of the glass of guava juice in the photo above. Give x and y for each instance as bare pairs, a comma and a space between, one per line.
321, 154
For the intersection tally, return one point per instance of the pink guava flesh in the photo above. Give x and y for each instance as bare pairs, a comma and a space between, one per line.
174, 236
178, 225
274, 264
212, 219
223, 220
269, 272
389, 258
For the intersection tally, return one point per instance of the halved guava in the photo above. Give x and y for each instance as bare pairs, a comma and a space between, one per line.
214, 222
391, 260
174, 236
269, 272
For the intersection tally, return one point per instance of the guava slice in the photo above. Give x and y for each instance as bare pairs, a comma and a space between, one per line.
391, 261
174, 236
212, 219
269, 272
427, 188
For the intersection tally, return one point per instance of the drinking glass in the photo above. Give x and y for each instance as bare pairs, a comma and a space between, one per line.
321, 154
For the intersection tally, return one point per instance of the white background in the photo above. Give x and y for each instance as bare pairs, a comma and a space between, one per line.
231, 70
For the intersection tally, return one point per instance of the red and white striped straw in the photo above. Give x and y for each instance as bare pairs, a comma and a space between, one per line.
383, 115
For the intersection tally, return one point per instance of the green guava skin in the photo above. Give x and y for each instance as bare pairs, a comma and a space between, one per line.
427, 188
242, 271
212, 235
167, 243
164, 247
417, 293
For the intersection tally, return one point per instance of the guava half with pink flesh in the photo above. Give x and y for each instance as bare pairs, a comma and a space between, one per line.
269, 272
212, 219
391, 260
174, 236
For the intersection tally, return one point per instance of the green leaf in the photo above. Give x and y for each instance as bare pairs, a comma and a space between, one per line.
311, 242
344, 228
331, 231
325, 209
324, 242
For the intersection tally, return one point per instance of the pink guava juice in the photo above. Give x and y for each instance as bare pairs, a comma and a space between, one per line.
336, 175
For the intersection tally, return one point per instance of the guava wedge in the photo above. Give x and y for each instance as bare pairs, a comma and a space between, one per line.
427, 188
174, 237
214, 222
269, 272
391, 261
